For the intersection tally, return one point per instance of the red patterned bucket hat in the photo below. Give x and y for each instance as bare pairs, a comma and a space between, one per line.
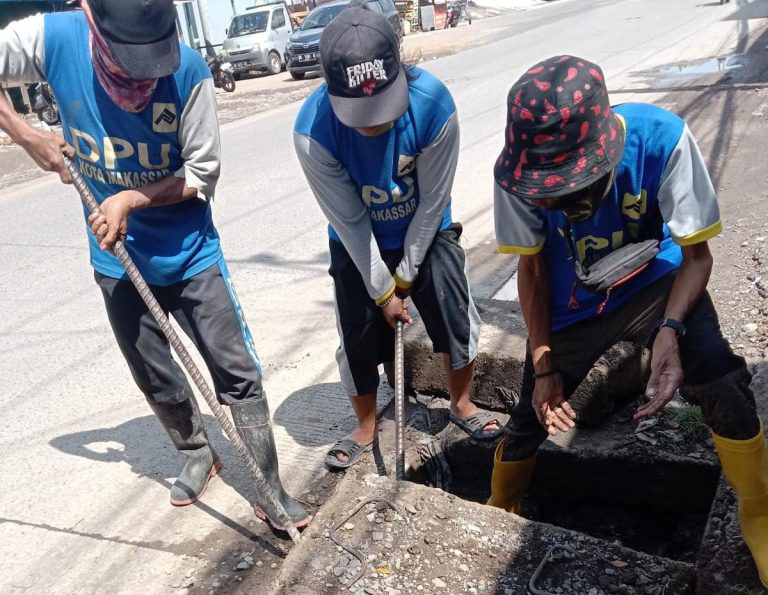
561, 132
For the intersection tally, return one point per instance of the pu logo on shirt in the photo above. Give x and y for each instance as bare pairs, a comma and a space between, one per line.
357, 74
634, 205
590, 248
164, 117
114, 148
403, 199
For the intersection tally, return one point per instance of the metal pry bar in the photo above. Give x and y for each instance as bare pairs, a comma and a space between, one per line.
162, 320
399, 402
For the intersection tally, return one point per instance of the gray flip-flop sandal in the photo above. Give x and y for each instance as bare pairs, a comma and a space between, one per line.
353, 450
475, 424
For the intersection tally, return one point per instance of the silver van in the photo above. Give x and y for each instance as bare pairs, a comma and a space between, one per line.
256, 39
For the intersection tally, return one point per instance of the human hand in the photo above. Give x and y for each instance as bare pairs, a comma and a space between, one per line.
666, 373
47, 150
110, 222
553, 411
394, 310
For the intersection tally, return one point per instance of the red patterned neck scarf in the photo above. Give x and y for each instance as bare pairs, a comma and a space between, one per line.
128, 94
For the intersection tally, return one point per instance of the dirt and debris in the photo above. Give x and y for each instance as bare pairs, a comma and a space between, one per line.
654, 487
745, 301
724, 566
250, 560
449, 545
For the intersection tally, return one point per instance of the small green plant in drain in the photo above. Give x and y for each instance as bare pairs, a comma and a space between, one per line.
690, 420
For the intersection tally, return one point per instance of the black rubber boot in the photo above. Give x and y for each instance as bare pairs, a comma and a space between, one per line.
252, 421
184, 425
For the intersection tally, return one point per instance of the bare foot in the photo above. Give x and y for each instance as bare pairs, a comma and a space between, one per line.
468, 409
359, 435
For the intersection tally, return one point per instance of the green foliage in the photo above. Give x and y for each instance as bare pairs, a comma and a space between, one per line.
690, 420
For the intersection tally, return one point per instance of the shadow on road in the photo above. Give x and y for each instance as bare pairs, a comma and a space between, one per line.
319, 415
318, 263
149, 452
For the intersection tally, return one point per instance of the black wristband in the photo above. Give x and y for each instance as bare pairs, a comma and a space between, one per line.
551, 372
675, 325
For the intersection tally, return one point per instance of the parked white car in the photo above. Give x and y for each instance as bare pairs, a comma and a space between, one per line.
256, 39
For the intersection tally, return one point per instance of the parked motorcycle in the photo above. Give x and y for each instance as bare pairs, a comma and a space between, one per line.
223, 73
43, 103
454, 10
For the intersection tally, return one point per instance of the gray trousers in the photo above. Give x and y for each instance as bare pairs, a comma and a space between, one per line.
206, 308
715, 378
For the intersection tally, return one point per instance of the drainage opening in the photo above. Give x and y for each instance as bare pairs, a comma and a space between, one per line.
652, 505
645, 529
657, 506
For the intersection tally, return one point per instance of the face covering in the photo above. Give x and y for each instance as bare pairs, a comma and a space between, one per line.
582, 204
128, 94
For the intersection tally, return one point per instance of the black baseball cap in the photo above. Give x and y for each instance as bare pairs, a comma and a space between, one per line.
141, 35
360, 55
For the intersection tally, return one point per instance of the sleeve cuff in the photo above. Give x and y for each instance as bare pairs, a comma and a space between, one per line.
385, 297
524, 250
204, 190
402, 283
701, 236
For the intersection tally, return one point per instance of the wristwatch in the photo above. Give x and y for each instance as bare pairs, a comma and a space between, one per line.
675, 325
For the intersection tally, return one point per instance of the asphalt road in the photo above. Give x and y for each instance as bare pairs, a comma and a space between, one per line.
84, 508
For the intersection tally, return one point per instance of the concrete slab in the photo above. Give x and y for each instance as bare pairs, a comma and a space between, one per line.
443, 544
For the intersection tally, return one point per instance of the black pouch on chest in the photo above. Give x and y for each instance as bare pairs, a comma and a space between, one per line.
614, 269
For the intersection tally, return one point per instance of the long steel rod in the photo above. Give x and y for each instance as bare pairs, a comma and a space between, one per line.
162, 320
399, 402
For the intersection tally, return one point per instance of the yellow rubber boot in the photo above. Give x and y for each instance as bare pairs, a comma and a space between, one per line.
509, 481
745, 463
